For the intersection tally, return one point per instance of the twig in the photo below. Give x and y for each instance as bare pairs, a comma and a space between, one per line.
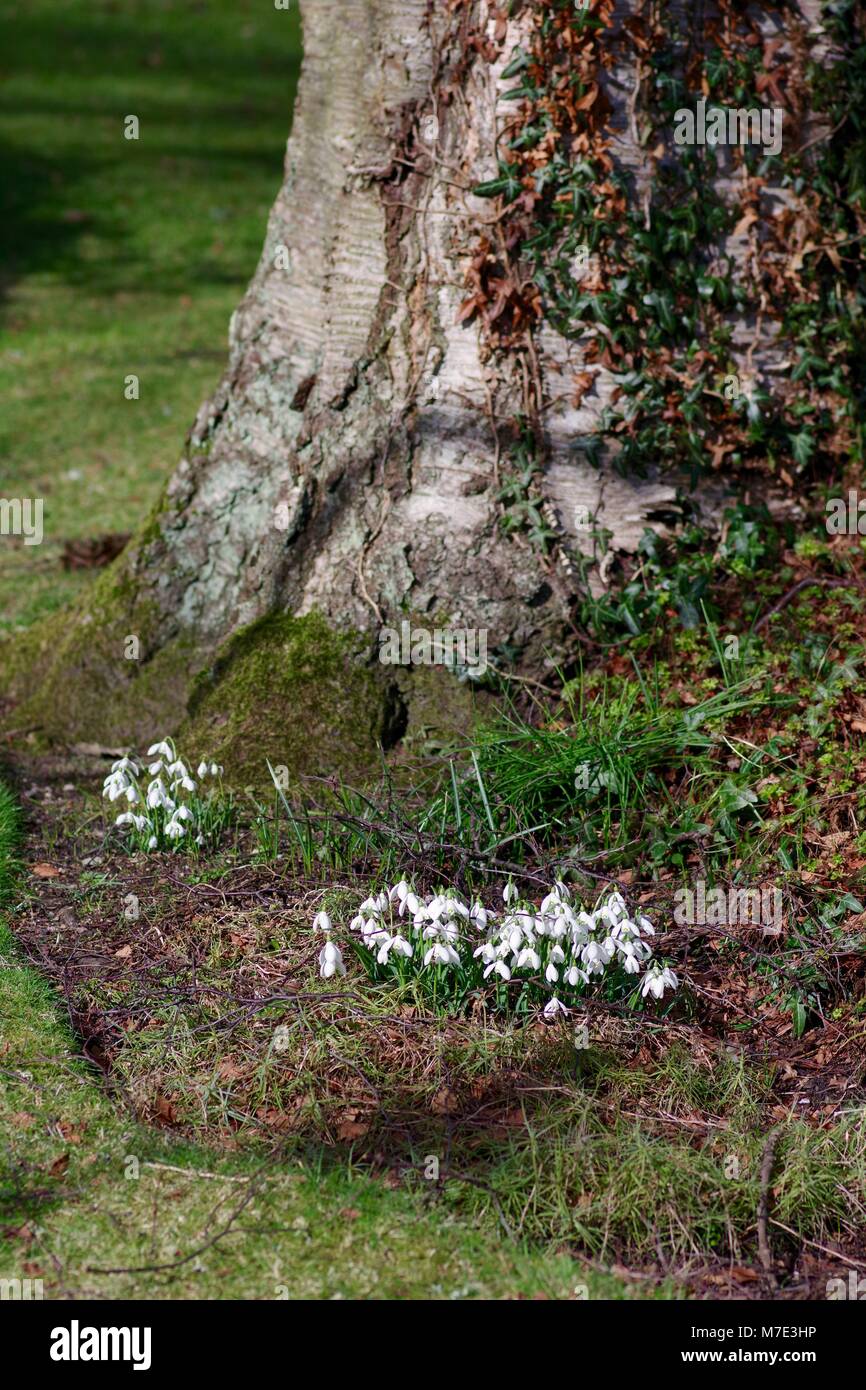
764, 1250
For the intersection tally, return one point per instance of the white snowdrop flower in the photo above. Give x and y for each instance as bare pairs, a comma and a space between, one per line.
152, 842
400, 891
509, 893
553, 1008
163, 749
125, 765
487, 952
130, 818
515, 938
156, 768
330, 961
322, 922
528, 958
551, 974
557, 955
563, 890
410, 904
183, 813
573, 974
370, 905
185, 783
131, 795
595, 958
178, 768
158, 796
174, 829
479, 916
441, 954
551, 901
202, 769
216, 769
397, 944
498, 967
646, 925
657, 980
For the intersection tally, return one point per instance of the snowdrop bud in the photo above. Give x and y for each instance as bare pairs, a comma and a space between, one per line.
202, 769
509, 893
323, 921
330, 961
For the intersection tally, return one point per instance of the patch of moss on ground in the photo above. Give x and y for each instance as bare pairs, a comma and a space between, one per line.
292, 692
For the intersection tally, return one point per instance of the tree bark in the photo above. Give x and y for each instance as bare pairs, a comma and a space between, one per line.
353, 459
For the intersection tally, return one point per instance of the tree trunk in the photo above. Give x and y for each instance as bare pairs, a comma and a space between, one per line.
421, 417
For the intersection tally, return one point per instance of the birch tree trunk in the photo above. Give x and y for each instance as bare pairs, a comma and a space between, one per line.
413, 421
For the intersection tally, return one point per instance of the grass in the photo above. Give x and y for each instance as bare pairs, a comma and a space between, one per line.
123, 257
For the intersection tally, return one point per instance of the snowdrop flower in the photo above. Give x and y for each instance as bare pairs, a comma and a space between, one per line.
442, 954
400, 891
498, 967
156, 768
186, 783
323, 921
573, 974
509, 892
174, 829
409, 904
330, 961
162, 749
657, 980
646, 925
158, 796
152, 842
394, 943
595, 958
553, 1008
551, 974
487, 952
528, 958
125, 765
130, 818
115, 786
479, 916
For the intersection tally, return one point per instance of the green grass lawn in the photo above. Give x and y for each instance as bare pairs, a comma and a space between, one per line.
122, 257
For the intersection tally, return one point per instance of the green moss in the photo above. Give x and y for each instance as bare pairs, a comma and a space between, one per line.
292, 692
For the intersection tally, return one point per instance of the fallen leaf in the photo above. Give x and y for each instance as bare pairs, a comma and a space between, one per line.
444, 1102
124, 953
45, 871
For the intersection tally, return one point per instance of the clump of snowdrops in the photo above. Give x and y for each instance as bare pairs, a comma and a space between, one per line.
546, 956
173, 809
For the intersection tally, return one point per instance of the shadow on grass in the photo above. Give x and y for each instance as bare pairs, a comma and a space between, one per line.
212, 84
